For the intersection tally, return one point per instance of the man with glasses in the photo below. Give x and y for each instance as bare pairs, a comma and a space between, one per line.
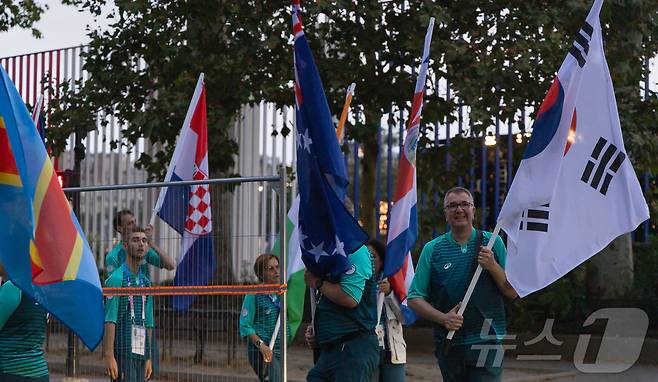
443, 273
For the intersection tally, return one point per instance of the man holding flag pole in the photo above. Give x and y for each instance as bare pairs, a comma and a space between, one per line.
575, 191
338, 264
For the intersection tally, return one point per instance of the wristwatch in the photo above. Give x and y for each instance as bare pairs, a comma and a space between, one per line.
259, 342
318, 284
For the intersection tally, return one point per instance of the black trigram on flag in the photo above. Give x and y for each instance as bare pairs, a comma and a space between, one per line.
535, 219
594, 172
580, 47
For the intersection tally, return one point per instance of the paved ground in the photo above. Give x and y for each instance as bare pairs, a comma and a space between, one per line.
421, 367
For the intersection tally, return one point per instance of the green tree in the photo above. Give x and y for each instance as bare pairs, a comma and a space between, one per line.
22, 14
143, 69
498, 56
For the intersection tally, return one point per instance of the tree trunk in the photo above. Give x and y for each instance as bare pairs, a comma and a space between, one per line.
610, 273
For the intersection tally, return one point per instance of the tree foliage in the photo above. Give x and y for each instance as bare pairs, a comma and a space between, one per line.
22, 14
498, 57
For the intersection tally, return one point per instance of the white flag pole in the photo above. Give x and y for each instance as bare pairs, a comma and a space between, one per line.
170, 169
475, 278
276, 332
37, 110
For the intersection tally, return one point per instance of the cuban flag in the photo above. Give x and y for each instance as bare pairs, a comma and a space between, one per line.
403, 223
328, 233
575, 189
187, 208
42, 246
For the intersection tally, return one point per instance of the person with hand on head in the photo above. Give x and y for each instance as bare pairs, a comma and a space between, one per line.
22, 333
394, 352
443, 273
124, 222
129, 319
258, 320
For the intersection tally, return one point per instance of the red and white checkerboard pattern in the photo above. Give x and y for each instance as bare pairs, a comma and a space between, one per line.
199, 221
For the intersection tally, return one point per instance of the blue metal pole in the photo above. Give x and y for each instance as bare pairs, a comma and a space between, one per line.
510, 152
389, 171
646, 224
460, 122
447, 123
496, 195
378, 195
356, 179
471, 171
483, 184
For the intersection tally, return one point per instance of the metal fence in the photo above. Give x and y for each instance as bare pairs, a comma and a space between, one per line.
201, 343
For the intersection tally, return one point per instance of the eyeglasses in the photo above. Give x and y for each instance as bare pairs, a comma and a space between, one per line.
454, 206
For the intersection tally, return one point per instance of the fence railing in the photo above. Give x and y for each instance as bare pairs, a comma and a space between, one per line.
201, 342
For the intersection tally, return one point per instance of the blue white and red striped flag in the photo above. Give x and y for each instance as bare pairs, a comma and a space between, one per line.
328, 233
39, 120
187, 208
403, 223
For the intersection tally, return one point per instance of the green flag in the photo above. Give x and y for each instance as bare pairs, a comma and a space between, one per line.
295, 269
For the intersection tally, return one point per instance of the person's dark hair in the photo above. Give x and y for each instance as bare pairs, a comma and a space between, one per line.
118, 218
458, 190
261, 262
379, 247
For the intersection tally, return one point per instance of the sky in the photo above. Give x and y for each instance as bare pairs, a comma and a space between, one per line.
62, 26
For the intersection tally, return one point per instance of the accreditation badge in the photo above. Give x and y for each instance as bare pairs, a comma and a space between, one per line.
379, 331
138, 339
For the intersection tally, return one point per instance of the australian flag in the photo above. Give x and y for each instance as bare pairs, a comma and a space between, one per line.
328, 233
187, 208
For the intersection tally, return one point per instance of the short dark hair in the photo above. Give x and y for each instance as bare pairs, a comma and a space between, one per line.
379, 247
118, 218
126, 238
261, 261
458, 190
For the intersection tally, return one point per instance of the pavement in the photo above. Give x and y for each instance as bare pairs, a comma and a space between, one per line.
524, 364
420, 367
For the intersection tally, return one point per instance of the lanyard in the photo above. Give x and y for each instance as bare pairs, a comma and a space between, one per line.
275, 301
132, 305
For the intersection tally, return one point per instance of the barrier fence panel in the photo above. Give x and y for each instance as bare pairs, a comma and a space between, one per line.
201, 342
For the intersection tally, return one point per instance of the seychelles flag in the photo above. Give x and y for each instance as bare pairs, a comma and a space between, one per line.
403, 224
187, 208
42, 246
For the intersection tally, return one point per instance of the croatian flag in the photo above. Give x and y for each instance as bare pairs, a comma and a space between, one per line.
575, 189
187, 208
403, 223
328, 233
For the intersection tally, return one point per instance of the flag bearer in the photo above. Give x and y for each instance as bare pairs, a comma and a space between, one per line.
444, 271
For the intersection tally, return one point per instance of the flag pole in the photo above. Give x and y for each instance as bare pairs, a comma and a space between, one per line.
37, 110
283, 247
474, 281
346, 109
